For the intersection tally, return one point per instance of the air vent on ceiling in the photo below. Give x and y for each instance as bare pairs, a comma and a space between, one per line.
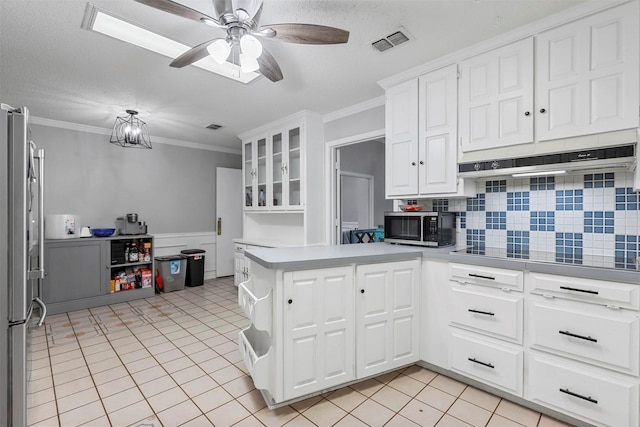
214, 126
392, 40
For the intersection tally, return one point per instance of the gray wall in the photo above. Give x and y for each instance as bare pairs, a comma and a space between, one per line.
368, 158
172, 188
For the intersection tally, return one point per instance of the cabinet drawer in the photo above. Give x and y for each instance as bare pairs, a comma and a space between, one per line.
487, 276
497, 365
496, 315
625, 295
610, 340
257, 353
256, 302
587, 394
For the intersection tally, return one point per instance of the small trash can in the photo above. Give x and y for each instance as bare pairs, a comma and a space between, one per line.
171, 271
195, 266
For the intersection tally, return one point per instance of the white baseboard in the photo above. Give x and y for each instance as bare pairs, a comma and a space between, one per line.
172, 243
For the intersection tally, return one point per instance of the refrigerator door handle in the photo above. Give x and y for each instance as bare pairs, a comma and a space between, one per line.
39, 273
43, 309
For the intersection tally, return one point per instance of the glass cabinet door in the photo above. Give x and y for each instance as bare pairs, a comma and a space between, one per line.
277, 164
261, 171
249, 172
292, 168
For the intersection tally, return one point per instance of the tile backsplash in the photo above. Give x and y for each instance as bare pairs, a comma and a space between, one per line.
572, 215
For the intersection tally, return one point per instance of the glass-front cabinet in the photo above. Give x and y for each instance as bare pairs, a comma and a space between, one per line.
254, 156
272, 170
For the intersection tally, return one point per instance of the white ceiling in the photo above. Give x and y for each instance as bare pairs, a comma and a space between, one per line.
63, 72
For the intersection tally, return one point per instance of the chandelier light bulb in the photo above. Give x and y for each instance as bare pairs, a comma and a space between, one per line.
251, 46
248, 63
219, 50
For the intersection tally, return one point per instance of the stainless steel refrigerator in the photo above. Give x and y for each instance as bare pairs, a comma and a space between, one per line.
21, 258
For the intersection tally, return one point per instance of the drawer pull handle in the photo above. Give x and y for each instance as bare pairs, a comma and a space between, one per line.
488, 365
586, 291
587, 398
487, 313
582, 337
479, 276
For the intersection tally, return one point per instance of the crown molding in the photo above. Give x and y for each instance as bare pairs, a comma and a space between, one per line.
300, 116
155, 139
519, 33
354, 109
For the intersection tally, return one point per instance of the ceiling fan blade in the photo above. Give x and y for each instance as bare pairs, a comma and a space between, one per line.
177, 9
269, 67
304, 33
192, 55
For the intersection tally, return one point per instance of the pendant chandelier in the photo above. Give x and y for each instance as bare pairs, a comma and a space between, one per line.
130, 131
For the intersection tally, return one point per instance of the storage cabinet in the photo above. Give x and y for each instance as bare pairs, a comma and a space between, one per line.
496, 97
283, 174
421, 138
242, 263
387, 296
587, 75
486, 314
319, 330
79, 271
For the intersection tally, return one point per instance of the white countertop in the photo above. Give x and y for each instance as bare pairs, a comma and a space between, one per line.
321, 256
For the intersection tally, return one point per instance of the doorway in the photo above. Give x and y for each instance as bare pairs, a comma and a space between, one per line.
362, 161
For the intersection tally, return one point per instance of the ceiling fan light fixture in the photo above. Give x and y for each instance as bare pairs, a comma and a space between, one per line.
248, 63
219, 50
250, 46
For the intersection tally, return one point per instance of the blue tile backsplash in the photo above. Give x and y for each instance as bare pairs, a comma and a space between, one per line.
572, 216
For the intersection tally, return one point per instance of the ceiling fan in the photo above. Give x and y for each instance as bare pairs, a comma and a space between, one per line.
240, 20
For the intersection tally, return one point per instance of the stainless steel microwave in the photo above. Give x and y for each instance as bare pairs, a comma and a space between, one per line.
420, 228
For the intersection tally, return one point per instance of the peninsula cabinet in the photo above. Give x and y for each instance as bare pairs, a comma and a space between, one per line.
421, 138
387, 309
315, 329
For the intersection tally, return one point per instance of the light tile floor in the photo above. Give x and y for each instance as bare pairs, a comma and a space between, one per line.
172, 360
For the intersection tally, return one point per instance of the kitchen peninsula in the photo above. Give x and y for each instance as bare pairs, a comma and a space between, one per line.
557, 336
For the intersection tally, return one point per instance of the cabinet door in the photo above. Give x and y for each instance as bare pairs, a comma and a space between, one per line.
75, 270
437, 132
496, 97
293, 188
278, 161
318, 330
587, 75
401, 144
248, 174
386, 316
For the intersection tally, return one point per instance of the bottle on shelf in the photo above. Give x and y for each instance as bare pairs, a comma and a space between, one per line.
261, 198
134, 253
126, 252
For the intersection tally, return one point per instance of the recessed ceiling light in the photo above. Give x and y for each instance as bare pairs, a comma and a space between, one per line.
100, 21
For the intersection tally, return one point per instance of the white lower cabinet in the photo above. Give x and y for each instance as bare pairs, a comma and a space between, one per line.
595, 395
387, 296
497, 364
318, 332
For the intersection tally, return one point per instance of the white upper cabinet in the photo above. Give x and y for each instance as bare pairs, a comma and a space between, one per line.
587, 75
401, 148
254, 156
496, 97
437, 131
421, 137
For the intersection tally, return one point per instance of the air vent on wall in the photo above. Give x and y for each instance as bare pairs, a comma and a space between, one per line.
392, 40
214, 126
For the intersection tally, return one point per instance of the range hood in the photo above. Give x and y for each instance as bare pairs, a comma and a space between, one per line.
617, 157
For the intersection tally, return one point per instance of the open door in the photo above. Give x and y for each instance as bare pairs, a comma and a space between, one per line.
228, 218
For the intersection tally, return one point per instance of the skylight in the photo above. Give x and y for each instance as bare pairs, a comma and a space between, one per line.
102, 22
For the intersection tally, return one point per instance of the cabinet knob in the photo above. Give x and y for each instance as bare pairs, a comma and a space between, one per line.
290, 301
421, 162
413, 163
526, 113
542, 110
362, 291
